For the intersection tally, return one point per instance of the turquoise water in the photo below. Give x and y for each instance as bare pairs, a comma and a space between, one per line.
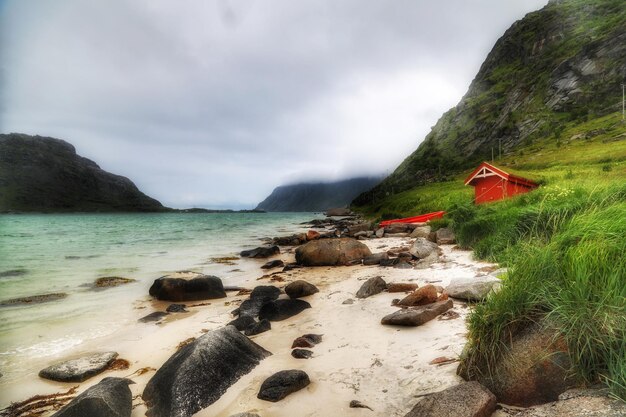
42, 254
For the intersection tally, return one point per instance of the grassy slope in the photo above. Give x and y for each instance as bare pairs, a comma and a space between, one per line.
564, 244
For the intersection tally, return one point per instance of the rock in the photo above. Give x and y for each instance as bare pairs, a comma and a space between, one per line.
293, 240
108, 282
422, 248
421, 231
365, 234
359, 404
302, 353
283, 383
405, 256
257, 328
348, 301
300, 288
586, 404
371, 287
260, 252
187, 286
242, 322
282, 309
258, 297
445, 236
291, 266
338, 212
380, 232
200, 373
79, 369
33, 299
153, 317
428, 261
473, 289
331, 252
245, 415
396, 234
534, 370
418, 315
359, 227
401, 287
389, 262
273, 264
422, 296
176, 308
375, 258
397, 228
110, 397
312, 235
403, 265
468, 399
307, 341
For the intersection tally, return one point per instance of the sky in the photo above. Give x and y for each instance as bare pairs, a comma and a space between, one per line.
213, 103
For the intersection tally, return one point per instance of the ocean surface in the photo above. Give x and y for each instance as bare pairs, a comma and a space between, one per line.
42, 254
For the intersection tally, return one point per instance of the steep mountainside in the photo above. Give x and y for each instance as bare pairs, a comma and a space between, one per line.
563, 64
316, 196
46, 175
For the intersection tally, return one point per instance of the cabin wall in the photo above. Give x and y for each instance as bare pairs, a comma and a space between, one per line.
489, 189
515, 189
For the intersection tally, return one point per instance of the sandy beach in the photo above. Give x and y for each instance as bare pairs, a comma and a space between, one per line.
384, 367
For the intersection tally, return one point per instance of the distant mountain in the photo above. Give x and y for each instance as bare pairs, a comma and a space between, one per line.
559, 66
42, 174
316, 196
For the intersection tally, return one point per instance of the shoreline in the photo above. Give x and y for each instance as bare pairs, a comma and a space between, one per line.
384, 367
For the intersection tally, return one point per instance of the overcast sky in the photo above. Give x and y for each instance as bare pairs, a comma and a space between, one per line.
215, 103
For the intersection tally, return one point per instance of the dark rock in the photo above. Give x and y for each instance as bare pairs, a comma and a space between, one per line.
302, 353
108, 282
258, 298
46, 175
331, 252
273, 264
13, 273
261, 252
33, 299
534, 370
243, 322
176, 308
401, 287
418, 315
300, 288
307, 341
282, 309
371, 287
290, 267
389, 262
293, 240
79, 369
359, 404
445, 236
360, 227
257, 328
187, 286
375, 259
155, 316
283, 383
403, 265
397, 228
468, 399
421, 248
422, 296
110, 397
200, 373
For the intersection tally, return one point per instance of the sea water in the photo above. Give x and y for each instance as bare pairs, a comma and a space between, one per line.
66, 253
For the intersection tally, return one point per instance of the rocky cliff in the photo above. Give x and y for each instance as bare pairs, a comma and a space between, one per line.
43, 174
562, 64
316, 196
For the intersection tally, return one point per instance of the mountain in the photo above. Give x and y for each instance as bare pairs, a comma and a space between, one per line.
42, 174
563, 64
316, 196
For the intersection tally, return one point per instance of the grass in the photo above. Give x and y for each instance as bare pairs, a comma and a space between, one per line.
564, 244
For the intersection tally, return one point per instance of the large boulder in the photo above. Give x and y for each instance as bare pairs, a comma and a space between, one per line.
283, 383
417, 316
258, 298
422, 248
445, 236
199, 373
331, 252
79, 369
110, 397
578, 403
282, 309
421, 231
375, 258
260, 252
257, 328
187, 286
473, 289
422, 296
468, 399
371, 287
300, 288
534, 370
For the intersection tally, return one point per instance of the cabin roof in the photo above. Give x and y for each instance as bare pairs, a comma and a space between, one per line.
486, 170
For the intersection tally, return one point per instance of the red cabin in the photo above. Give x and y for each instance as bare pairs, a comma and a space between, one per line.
492, 184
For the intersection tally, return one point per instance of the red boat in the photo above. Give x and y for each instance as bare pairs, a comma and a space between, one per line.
416, 219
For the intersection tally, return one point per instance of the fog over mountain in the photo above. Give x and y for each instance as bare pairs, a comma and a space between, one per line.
215, 103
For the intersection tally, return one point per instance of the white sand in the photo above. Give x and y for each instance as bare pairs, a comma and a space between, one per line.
384, 367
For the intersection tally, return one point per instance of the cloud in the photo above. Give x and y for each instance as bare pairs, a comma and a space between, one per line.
214, 103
